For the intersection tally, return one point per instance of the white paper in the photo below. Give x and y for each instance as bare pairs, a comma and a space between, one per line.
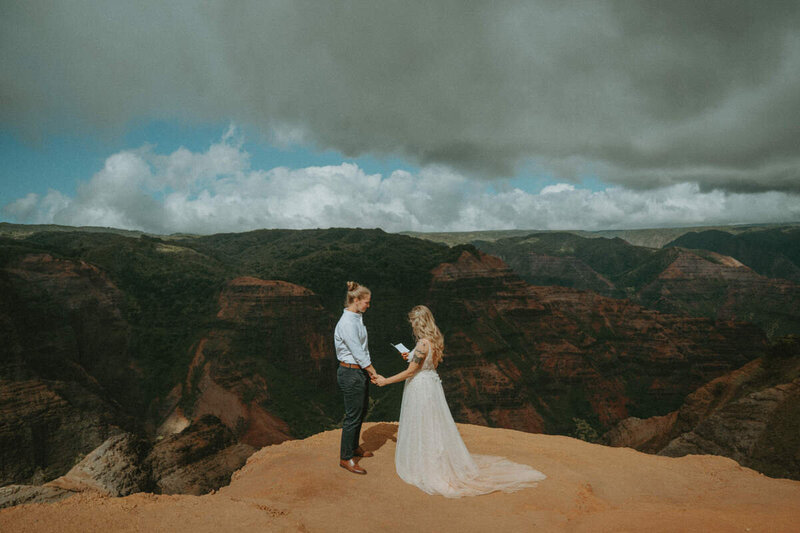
400, 347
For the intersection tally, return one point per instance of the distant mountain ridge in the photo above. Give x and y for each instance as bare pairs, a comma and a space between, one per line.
774, 253
8, 229
652, 238
697, 282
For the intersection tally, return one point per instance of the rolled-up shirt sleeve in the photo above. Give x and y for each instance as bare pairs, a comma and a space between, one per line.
354, 337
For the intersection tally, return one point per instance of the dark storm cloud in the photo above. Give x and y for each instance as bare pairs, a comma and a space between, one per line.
642, 93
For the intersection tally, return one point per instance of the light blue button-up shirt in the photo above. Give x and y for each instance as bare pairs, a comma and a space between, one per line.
350, 338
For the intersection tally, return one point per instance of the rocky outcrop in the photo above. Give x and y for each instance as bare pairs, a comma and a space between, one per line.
745, 416
47, 426
115, 468
751, 415
737, 430
543, 355
12, 495
714, 395
646, 435
199, 459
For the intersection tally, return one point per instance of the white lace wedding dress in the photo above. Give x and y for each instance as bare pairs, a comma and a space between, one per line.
431, 455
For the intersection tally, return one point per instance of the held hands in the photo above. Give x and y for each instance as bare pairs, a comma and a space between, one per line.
378, 380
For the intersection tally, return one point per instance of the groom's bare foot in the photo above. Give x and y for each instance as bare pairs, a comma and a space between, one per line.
360, 452
352, 466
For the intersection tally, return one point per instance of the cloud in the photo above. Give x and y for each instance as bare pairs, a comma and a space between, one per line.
218, 191
35, 209
647, 93
557, 188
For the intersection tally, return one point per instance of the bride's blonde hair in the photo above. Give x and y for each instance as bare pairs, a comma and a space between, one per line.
424, 327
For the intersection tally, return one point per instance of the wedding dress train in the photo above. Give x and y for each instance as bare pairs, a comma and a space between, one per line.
431, 454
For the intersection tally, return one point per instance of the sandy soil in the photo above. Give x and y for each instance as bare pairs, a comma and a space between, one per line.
298, 486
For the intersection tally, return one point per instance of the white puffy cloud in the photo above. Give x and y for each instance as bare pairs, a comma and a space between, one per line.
218, 191
36, 209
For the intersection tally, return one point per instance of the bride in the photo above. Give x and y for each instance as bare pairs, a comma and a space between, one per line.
430, 453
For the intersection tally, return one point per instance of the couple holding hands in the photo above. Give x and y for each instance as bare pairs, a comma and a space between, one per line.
430, 453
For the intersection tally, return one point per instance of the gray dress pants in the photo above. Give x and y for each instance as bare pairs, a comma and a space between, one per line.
354, 383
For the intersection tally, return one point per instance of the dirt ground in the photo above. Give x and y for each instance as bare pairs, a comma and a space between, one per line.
298, 486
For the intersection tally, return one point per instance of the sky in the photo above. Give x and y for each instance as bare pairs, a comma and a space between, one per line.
206, 117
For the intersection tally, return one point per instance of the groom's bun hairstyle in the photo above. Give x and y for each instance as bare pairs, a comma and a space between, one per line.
355, 292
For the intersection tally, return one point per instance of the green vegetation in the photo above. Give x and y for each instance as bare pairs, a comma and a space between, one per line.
11, 249
635, 272
584, 431
653, 403
774, 253
25, 230
781, 439
171, 291
628, 267
170, 297
323, 260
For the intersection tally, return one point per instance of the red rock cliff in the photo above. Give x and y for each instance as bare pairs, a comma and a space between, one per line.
269, 337
63, 353
525, 357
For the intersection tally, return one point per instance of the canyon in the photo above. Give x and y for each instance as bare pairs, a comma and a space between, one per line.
206, 350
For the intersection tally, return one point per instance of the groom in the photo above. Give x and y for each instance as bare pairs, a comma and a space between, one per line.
354, 374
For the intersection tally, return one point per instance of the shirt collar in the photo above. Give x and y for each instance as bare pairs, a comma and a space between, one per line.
347, 312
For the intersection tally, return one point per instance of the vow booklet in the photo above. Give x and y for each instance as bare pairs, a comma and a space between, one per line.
400, 347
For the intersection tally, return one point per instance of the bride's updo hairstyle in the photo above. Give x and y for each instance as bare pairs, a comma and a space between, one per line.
424, 327
355, 292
